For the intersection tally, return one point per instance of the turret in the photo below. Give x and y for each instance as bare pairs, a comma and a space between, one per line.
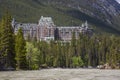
13, 23
86, 24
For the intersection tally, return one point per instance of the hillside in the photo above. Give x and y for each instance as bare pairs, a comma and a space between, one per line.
103, 15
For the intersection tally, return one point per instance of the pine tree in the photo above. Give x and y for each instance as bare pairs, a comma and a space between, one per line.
20, 51
73, 44
7, 43
0, 50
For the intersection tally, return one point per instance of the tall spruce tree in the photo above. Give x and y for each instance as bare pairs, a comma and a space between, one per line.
20, 48
7, 43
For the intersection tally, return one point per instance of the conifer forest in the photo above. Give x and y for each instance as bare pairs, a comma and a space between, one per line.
18, 53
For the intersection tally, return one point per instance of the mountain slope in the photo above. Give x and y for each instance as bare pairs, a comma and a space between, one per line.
103, 15
107, 11
31, 11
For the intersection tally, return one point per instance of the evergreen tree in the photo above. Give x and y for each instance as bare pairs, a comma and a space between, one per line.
84, 51
33, 56
20, 48
7, 42
73, 43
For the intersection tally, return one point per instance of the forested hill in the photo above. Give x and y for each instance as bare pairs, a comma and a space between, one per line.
103, 15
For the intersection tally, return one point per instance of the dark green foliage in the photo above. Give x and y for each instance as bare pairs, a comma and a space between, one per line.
84, 51
7, 42
20, 49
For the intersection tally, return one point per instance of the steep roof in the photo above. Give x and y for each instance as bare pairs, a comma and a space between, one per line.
26, 26
46, 21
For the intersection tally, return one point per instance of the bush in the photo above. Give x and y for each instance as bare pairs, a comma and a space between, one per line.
77, 62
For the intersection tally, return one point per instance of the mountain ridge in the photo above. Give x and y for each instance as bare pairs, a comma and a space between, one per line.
108, 8
103, 15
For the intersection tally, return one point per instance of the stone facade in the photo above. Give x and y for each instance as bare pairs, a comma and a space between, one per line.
46, 30
29, 29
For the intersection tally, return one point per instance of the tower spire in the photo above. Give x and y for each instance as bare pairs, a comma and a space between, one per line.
86, 24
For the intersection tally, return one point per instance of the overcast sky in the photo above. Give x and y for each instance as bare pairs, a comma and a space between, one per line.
118, 1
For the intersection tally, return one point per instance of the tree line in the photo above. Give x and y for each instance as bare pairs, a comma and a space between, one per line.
82, 52
18, 53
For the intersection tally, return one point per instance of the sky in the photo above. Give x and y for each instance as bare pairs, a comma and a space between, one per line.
118, 1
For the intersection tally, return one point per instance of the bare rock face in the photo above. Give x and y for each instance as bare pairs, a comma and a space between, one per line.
107, 11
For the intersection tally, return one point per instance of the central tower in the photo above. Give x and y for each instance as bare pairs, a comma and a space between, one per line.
45, 31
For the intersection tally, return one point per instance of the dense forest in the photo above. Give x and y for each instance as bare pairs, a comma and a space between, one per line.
83, 52
18, 53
